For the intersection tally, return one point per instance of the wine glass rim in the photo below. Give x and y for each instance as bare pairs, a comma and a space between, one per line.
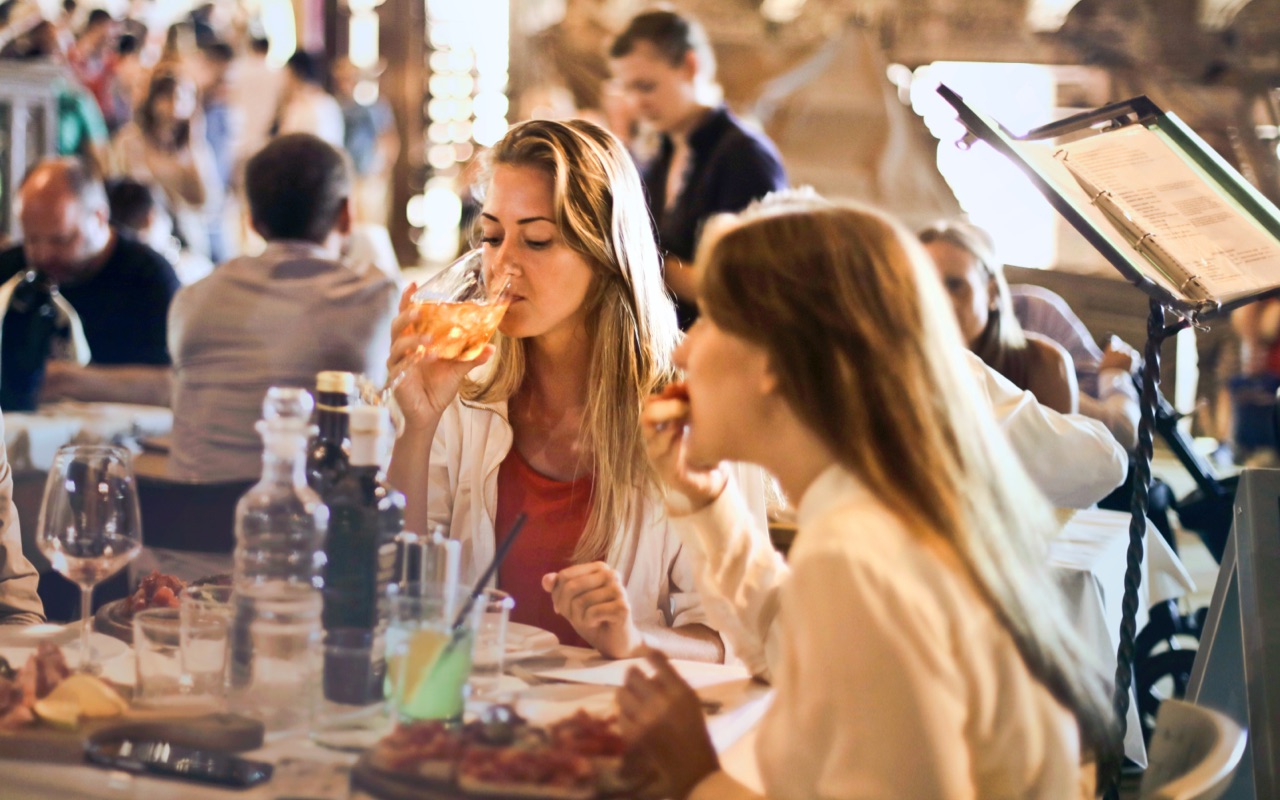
112, 449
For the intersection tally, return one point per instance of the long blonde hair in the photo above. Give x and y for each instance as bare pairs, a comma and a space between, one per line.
855, 322
601, 213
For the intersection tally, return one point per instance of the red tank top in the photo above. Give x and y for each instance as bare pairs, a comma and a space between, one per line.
558, 512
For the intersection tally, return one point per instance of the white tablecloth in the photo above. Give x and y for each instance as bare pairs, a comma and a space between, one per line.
33, 438
1088, 559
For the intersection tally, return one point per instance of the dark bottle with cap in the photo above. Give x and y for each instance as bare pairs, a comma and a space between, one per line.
365, 516
32, 333
327, 451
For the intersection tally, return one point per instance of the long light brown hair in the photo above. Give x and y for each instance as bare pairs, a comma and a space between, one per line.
862, 336
601, 213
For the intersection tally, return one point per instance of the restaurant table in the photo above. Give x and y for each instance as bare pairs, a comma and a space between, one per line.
306, 770
1088, 560
32, 438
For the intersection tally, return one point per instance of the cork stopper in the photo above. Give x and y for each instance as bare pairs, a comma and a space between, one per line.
336, 382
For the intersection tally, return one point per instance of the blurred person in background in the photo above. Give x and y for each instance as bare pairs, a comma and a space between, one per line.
130, 78
138, 211
274, 319
371, 140
1104, 376
92, 59
256, 86
965, 259
221, 129
119, 289
82, 130
305, 105
165, 145
709, 161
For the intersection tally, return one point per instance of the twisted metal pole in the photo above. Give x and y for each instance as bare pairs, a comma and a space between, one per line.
1138, 504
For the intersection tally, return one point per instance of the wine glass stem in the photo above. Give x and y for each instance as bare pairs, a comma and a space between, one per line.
86, 607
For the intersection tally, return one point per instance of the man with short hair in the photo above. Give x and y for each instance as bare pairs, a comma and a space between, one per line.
120, 289
275, 319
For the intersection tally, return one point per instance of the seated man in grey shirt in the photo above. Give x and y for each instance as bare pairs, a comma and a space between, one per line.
19, 602
275, 319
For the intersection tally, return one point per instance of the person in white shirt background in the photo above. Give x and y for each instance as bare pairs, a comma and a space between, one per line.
305, 105
914, 639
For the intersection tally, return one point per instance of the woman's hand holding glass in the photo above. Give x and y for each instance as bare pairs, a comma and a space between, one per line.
593, 599
690, 487
424, 385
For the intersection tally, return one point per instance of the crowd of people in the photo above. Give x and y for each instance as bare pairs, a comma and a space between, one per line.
922, 416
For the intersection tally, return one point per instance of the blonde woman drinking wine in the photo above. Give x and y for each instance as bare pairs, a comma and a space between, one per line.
915, 643
551, 426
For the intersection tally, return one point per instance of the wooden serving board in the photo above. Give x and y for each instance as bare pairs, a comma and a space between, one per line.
113, 620
40, 742
385, 785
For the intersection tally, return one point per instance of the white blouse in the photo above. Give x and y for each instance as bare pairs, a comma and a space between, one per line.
893, 679
462, 496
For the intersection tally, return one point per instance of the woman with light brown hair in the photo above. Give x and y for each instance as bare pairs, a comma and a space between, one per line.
983, 308
551, 426
914, 638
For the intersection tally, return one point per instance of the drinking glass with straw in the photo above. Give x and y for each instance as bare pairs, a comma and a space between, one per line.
429, 641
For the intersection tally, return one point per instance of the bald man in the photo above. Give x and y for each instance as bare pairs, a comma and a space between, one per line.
119, 288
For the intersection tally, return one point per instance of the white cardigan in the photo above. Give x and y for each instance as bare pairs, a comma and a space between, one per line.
462, 496
893, 679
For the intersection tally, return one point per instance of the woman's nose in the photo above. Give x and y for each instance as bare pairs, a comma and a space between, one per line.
681, 356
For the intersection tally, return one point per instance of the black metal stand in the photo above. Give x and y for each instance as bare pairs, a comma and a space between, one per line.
1157, 332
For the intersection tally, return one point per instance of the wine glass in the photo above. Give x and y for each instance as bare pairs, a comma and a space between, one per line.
459, 308
90, 525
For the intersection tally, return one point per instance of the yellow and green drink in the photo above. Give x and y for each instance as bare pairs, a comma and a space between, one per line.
428, 659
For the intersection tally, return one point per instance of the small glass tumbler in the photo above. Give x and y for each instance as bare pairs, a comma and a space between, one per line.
180, 662
350, 711
490, 643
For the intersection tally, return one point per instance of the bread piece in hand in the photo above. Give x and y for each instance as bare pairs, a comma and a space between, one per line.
671, 405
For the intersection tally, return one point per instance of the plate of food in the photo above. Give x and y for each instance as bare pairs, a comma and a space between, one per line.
576, 758
156, 590
527, 641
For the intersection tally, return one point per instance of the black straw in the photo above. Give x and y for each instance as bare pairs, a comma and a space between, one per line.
489, 571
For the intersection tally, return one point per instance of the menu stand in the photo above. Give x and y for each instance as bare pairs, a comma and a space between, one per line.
1182, 290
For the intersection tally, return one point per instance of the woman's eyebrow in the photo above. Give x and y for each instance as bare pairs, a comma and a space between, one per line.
524, 221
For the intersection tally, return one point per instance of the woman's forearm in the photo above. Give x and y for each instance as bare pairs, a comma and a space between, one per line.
410, 462
693, 642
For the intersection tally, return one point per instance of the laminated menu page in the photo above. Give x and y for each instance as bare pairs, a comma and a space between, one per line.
1199, 241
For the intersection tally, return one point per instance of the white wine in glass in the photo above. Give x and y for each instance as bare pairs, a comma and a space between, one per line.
459, 309
90, 526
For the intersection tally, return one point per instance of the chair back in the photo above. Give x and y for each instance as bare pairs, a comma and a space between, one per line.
1193, 755
193, 517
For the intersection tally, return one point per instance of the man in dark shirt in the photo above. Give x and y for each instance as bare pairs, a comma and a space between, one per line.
708, 162
120, 289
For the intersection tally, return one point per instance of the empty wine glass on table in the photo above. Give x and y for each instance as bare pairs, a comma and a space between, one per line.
90, 526
459, 308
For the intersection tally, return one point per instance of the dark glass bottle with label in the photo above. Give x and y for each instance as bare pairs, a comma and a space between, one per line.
327, 451
32, 333
365, 515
